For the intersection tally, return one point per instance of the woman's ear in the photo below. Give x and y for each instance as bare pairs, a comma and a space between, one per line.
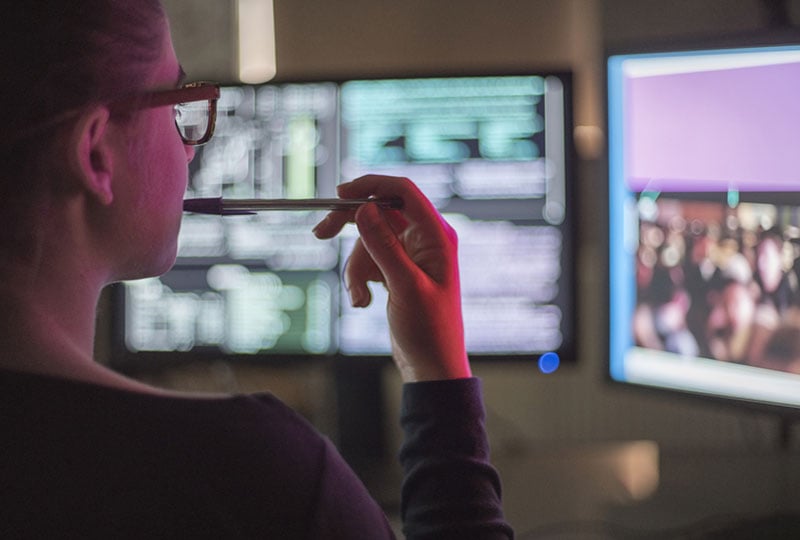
91, 154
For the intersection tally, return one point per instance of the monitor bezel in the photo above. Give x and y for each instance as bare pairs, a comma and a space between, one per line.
789, 37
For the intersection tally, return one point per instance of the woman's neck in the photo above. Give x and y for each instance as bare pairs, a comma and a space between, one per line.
57, 341
40, 320
49, 291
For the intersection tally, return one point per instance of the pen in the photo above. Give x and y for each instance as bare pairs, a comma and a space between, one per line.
229, 207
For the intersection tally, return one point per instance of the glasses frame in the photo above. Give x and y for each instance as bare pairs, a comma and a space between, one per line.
194, 91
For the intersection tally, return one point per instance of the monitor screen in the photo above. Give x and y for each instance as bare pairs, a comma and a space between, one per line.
493, 153
704, 222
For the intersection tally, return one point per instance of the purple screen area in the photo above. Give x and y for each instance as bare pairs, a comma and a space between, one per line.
714, 130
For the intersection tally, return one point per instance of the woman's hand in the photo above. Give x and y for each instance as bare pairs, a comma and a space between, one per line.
413, 252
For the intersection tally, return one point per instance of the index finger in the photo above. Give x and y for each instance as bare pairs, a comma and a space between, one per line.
335, 220
416, 206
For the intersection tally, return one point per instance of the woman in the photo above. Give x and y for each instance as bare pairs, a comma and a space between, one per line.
92, 183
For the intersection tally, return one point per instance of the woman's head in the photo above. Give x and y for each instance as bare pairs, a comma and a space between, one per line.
59, 56
62, 60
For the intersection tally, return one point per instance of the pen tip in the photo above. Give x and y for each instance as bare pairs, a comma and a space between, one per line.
203, 206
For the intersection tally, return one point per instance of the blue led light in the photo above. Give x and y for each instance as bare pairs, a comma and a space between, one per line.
549, 362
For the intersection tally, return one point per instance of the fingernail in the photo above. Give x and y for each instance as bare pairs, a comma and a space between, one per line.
319, 225
357, 298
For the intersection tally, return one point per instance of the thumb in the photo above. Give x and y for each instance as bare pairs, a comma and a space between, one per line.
383, 245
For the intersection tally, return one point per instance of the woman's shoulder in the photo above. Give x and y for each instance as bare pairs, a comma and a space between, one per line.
246, 419
249, 457
243, 434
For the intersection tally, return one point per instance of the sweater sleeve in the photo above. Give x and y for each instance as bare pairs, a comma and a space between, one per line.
450, 489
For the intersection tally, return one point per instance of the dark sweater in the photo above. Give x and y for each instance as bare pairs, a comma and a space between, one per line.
83, 461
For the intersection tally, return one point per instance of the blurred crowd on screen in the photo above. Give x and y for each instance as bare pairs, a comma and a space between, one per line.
719, 282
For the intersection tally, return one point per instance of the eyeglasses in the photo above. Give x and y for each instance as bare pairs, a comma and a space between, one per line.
195, 108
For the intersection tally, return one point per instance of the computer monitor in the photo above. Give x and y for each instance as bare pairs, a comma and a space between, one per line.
704, 221
493, 153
